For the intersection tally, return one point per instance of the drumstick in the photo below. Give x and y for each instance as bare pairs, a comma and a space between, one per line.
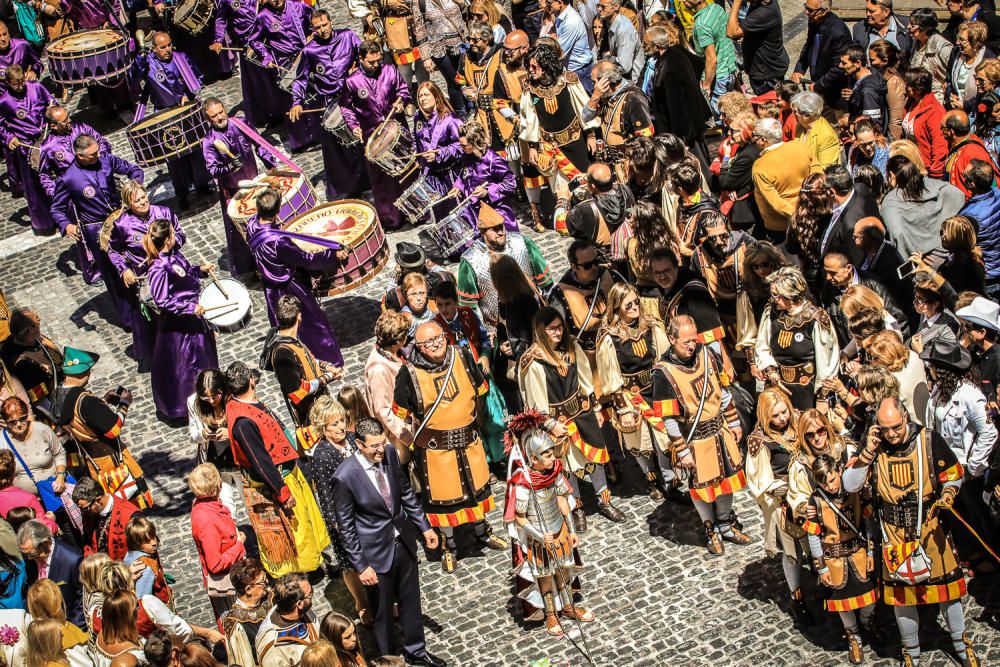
321, 109
215, 281
221, 146
226, 312
228, 304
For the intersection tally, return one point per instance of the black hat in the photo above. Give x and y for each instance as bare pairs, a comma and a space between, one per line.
410, 255
947, 354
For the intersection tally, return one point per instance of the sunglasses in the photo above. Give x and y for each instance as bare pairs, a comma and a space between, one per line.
634, 303
18, 420
761, 265
586, 266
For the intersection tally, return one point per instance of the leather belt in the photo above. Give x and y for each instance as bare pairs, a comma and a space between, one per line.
638, 382
569, 408
484, 102
903, 515
842, 549
708, 428
802, 374
453, 438
570, 133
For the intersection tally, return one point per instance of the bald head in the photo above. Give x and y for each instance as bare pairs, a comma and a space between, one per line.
599, 177
955, 123
869, 233
430, 341
892, 419
516, 40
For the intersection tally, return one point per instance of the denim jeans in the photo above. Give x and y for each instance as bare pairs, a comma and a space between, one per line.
723, 85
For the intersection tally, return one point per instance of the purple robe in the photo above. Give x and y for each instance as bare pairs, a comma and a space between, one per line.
57, 155
185, 346
277, 258
438, 133
228, 173
87, 14
87, 196
23, 117
321, 73
278, 38
19, 52
166, 84
493, 172
213, 66
235, 21
365, 101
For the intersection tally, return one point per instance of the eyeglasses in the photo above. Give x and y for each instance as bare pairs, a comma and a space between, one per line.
812, 435
432, 342
262, 583
555, 328
760, 265
893, 429
494, 228
634, 303
586, 266
18, 420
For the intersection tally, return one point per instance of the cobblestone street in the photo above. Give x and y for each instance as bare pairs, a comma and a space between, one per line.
659, 598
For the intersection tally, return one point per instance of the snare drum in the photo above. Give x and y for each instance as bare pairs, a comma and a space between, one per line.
167, 134
90, 56
353, 224
333, 122
193, 15
452, 233
417, 199
227, 304
391, 148
297, 197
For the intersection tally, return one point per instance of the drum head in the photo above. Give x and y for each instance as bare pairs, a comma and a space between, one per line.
347, 222
162, 117
384, 138
185, 9
243, 205
217, 294
86, 40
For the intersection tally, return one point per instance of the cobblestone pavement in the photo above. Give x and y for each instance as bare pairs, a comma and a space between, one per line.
658, 597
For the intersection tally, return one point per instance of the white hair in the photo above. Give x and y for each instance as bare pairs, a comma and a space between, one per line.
808, 103
768, 128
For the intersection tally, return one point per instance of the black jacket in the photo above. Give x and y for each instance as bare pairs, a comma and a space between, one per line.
827, 77
677, 102
987, 18
841, 236
870, 98
737, 178
830, 300
64, 572
859, 33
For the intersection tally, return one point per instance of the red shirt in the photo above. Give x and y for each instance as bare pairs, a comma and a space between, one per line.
216, 537
922, 125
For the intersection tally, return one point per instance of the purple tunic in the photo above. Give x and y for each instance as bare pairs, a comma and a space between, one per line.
185, 346
228, 173
235, 21
22, 116
321, 73
439, 133
87, 14
57, 154
125, 249
87, 196
365, 101
277, 258
19, 52
493, 172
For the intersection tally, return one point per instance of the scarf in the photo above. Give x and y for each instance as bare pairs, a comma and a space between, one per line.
530, 479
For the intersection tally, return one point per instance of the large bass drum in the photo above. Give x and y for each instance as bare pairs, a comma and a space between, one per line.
167, 134
90, 56
353, 224
297, 197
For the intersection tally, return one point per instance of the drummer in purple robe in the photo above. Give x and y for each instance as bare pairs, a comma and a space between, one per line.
85, 195
122, 240
280, 34
374, 91
22, 120
277, 259
485, 177
436, 138
185, 345
212, 65
56, 156
169, 79
323, 66
229, 157
235, 22
15, 51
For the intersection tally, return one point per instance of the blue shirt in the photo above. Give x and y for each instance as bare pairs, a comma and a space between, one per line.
572, 35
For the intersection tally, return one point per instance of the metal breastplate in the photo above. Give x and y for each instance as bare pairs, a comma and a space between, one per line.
480, 262
545, 515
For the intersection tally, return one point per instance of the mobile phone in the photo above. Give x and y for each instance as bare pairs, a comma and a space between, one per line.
120, 390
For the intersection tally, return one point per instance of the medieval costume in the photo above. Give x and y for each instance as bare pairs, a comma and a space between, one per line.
301, 377
241, 625
623, 114
692, 397
289, 540
20, 53
105, 533
280, 643
38, 366
600, 218
722, 271
478, 74
490, 171
802, 347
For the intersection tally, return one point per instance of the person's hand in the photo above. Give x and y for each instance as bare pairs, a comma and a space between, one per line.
30, 75
599, 413
73, 231
627, 420
772, 377
559, 430
852, 367
845, 93
129, 278
810, 512
342, 255
955, 101
920, 264
591, 144
506, 349
368, 577
469, 92
126, 396
870, 563
14, 143
549, 539
835, 385
601, 90
686, 461
430, 66
431, 539
289, 504
873, 437
755, 372
215, 47
796, 76
241, 537
484, 363
826, 579
479, 191
532, 155
335, 371
431, 155
295, 112
357, 133
574, 540
136, 569
779, 491
159, 7
737, 433
454, 193
199, 310
59, 485
917, 343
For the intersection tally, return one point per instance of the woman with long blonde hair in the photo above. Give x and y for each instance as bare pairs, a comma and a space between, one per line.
628, 346
816, 434
45, 601
770, 449
45, 646
555, 378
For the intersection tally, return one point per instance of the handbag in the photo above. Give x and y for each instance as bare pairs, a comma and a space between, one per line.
118, 481
908, 563
51, 500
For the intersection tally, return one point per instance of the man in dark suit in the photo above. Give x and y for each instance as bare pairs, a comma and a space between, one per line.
883, 23
852, 201
379, 517
48, 558
882, 260
826, 39
841, 274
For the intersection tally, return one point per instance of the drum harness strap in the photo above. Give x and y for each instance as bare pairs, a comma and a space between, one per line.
440, 394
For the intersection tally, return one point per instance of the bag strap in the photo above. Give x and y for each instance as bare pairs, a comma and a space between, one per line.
920, 481
701, 401
841, 515
440, 394
24, 465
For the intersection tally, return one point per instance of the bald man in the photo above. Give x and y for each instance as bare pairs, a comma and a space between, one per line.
439, 393
597, 218
963, 146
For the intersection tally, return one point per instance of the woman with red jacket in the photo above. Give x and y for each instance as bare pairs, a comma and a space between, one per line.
220, 544
922, 121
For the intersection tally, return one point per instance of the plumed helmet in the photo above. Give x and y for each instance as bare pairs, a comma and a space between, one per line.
536, 442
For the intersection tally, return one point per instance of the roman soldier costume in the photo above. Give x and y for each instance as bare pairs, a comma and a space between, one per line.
802, 347
290, 541
241, 625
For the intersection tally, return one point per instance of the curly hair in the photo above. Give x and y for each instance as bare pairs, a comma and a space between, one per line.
759, 253
815, 201
948, 381
548, 61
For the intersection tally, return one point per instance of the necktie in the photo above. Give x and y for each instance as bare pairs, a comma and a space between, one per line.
383, 487
43, 571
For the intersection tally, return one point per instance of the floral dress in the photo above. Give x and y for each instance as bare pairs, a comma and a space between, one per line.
326, 458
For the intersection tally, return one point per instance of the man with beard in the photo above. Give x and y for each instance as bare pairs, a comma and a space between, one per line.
440, 392
371, 93
622, 110
719, 261
478, 76
170, 80
475, 286
292, 624
560, 141
22, 110
229, 157
691, 394
509, 83
323, 66
281, 33
598, 218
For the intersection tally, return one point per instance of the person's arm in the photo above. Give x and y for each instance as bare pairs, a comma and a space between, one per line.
407, 498
301, 84
60, 205
802, 64
144, 584
259, 42
249, 440
541, 275
710, 61
733, 28
985, 434
56, 450
467, 285
102, 418
344, 505
125, 168
762, 348
290, 375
